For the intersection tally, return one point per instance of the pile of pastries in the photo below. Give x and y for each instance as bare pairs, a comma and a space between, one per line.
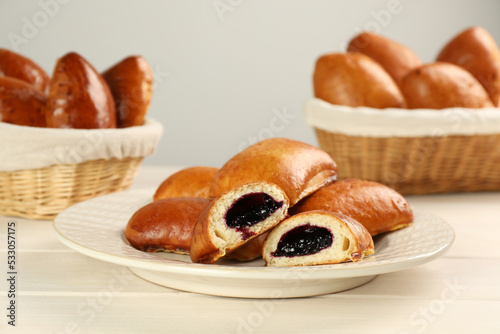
278, 199
381, 73
76, 95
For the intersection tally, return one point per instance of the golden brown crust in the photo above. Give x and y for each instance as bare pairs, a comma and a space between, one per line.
475, 50
165, 225
297, 168
394, 57
202, 248
16, 66
343, 228
377, 207
21, 103
442, 85
213, 238
363, 238
353, 79
250, 250
131, 84
79, 97
188, 182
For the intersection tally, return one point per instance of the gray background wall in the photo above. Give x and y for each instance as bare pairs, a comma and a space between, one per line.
228, 72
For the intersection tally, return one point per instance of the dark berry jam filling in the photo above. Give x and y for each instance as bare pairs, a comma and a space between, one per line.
245, 232
304, 240
250, 209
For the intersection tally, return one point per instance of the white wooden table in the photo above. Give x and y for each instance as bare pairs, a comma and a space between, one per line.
61, 291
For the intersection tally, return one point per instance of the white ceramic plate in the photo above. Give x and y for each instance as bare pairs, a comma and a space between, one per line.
95, 228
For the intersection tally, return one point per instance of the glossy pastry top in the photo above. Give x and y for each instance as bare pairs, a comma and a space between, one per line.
475, 50
188, 182
131, 84
377, 207
394, 57
353, 79
21, 103
165, 225
296, 167
78, 96
22, 68
442, 85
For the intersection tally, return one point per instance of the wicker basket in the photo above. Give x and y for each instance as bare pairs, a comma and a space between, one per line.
418, 164
43, 193
44, 171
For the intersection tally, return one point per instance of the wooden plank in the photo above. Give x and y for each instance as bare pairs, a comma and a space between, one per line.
73, 273
62, 291
184, 314
34, 235
475, 217
76, 273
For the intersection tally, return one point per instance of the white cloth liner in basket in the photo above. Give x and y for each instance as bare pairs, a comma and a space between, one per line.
392, 122
23, 147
